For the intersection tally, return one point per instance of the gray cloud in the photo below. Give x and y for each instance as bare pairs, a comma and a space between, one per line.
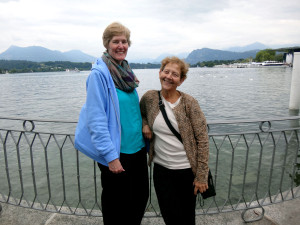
8, 1
156, 26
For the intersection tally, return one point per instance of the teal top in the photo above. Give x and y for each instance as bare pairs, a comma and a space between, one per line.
131, 122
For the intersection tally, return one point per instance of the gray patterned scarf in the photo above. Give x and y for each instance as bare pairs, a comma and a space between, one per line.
122, 75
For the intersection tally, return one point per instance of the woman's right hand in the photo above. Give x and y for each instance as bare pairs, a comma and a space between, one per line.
115, 166
147, 132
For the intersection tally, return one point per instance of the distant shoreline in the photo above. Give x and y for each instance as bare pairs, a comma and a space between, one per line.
23, 66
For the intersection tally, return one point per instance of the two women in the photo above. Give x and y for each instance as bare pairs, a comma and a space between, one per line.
110, 127
109, 131
180, 166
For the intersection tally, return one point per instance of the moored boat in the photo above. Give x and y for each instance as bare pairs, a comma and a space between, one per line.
273, 63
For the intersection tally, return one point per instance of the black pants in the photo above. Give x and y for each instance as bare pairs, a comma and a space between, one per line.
175, 194
125, 195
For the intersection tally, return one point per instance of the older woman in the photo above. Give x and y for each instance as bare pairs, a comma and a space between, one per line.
180, 166
110, 131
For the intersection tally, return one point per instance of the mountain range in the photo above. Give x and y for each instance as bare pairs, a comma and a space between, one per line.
253, 46
185, 55
41, 54
207, 54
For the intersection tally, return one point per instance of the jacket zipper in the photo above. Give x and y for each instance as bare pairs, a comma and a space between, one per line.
119, 123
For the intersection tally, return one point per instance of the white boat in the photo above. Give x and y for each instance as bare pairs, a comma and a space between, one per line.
75, 70
273, 63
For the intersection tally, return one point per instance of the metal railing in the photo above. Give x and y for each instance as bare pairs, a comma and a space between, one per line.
254, 163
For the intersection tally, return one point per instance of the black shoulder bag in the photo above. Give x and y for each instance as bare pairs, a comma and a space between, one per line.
210, 192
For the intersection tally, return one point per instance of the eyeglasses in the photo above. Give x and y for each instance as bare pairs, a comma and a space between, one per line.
174, 74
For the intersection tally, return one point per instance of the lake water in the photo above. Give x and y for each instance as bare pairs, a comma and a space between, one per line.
223, 94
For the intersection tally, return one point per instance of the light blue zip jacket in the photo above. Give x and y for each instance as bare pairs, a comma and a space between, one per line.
98, 132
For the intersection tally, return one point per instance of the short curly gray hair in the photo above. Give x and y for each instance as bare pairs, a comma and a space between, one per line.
184, 67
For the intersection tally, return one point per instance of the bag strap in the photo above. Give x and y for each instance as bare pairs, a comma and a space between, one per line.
163, 111
211, 189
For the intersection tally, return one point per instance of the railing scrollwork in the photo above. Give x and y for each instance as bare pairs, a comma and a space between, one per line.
253, 162
26, 126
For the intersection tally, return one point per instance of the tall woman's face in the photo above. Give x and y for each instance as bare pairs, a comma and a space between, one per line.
117, 48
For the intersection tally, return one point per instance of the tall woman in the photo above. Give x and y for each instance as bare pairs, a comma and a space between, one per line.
110, 131
180, 167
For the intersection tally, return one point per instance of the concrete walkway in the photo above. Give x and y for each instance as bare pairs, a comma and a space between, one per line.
285, 213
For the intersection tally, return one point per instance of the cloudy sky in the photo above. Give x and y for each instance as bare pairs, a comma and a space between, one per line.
157, 26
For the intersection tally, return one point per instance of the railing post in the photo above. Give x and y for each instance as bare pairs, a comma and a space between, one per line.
295, 91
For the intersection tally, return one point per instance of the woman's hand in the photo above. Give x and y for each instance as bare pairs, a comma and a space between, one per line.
115, 166
147, 132
200, 187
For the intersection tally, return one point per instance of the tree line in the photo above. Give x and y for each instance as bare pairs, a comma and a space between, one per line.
268, 55
261, 56
219, 62
23, 66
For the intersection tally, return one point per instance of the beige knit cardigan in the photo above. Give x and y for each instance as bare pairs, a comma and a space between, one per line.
192, 128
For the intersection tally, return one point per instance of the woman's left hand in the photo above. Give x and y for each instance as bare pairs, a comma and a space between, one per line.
147, 132
115, 166
202, 187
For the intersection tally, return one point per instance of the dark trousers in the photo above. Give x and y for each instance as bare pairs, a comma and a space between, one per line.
125, 195
175, 194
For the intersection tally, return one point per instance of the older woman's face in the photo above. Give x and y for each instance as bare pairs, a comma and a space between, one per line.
170, 77
117, 48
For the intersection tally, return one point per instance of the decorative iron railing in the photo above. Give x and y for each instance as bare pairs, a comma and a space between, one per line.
254, 163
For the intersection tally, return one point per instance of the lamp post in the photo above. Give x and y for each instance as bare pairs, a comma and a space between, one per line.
295, 84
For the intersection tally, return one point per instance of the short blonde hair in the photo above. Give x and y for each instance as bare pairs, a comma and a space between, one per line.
184, 67
115, 29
